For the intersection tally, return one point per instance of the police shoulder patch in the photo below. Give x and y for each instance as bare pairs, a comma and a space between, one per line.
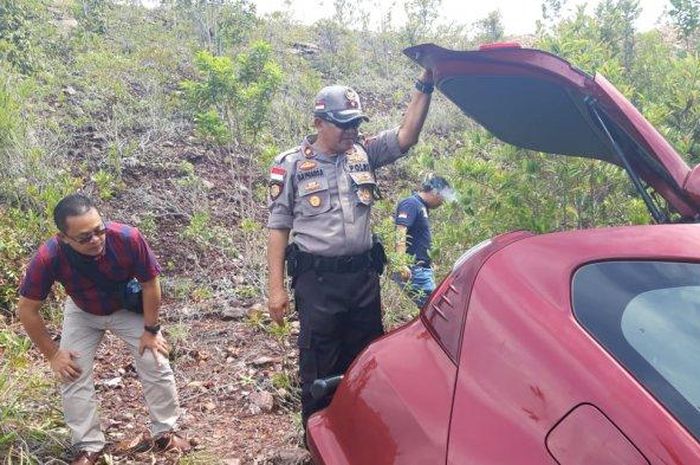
275, 190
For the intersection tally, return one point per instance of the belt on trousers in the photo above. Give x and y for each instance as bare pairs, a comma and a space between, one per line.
344, 264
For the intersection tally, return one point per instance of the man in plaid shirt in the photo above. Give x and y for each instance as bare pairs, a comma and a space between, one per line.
118, 253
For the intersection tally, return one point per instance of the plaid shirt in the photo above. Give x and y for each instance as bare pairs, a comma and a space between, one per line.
126, 255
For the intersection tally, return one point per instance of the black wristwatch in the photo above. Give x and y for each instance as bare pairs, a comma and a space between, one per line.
152, 329
424, 87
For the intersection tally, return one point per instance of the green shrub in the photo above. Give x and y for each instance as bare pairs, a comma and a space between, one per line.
232, 98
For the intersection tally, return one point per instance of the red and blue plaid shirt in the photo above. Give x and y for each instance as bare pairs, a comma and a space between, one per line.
126, 256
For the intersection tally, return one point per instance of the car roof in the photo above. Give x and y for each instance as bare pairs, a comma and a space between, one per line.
545, 263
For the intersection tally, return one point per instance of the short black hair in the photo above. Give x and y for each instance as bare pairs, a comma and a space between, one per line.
71, 205
435, 183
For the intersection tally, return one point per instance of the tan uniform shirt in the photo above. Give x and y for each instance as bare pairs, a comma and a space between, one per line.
324, 199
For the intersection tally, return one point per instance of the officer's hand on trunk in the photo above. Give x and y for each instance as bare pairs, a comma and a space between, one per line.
277, 304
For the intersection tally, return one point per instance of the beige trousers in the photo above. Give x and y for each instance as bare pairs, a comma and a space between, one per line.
82, 332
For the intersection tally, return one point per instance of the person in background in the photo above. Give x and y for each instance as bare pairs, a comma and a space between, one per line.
94, 261
413, 237
322, 192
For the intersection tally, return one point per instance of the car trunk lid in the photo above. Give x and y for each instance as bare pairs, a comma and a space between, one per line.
535, 100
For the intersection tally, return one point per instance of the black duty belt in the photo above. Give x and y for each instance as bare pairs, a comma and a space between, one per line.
344, 264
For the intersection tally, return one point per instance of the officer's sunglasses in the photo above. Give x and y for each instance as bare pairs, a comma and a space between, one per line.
353, 124
87, 237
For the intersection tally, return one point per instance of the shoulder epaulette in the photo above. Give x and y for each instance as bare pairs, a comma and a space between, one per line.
280, 158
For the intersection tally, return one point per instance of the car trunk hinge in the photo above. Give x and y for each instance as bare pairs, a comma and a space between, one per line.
656, 213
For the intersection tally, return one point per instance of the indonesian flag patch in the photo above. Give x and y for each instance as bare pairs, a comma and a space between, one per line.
403, 215
277, 174
320, 105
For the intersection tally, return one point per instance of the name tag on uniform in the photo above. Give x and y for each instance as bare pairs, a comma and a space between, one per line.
314, 173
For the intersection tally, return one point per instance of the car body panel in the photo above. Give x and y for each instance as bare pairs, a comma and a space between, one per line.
536, 100
526, 362
393, 406
445, 311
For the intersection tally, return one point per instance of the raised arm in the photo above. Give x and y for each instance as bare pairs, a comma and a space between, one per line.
416, 113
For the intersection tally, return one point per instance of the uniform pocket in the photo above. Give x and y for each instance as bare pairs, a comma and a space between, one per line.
366, 186
314, 195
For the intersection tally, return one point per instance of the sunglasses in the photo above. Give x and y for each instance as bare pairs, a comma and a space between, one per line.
87, 237
354, 124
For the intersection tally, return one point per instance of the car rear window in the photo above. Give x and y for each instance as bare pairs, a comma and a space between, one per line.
647, 315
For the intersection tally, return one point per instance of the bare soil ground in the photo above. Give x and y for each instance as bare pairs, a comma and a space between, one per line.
231, 410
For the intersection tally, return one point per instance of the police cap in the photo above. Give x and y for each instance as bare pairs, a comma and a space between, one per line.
338, 104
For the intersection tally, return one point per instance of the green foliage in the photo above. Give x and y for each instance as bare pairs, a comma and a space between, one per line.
200, 230
282, 380
107, 184
233, 98
421, 16
10, 122
685, 16
147, 225
339, 50
25, 424
17, 42
616, 19
211, 127
12, 251
220, 25
92, 15
490, 29
20, 231
260, 77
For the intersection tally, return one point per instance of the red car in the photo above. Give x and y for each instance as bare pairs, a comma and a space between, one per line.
572, 348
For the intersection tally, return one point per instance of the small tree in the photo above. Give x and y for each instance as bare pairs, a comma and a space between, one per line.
421, 16
232, 98
616, 19
490, 28
685, 16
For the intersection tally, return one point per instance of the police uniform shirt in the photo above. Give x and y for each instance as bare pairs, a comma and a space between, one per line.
325, 199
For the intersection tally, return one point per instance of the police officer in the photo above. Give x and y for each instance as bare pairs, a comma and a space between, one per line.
322, 192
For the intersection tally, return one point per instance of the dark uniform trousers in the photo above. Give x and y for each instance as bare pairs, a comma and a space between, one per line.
339, 315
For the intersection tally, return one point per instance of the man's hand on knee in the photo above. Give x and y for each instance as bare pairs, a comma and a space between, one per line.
156, 343
64, 366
